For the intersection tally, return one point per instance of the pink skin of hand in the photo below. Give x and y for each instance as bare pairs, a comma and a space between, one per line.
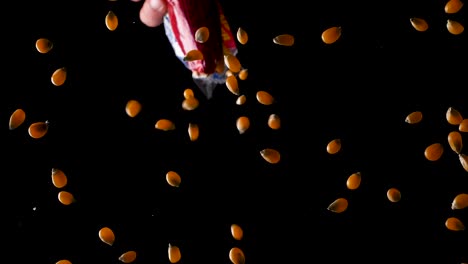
152, 12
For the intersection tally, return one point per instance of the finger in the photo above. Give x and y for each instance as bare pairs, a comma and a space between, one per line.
152, 12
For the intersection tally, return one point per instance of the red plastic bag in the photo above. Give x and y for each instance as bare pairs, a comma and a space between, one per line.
183, 19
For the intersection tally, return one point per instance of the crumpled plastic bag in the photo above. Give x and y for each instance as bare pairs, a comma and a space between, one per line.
183, 19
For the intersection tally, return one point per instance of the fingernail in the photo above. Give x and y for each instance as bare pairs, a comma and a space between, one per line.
156, 4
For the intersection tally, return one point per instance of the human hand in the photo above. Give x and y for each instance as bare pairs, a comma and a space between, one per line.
152, 12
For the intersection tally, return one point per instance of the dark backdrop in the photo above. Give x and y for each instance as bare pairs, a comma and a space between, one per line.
359, 89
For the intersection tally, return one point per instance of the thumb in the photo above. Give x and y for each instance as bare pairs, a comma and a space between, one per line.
152, 12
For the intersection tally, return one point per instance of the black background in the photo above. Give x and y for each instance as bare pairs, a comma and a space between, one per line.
359, 89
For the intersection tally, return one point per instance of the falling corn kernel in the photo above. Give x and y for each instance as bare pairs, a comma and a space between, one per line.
220, 67
463, 127
193, 131
107, 235
453, 6
173, 178
59, 76
66, 198
133, 108
270, 155
354, 181
242, 124
455, 141
460, 201
17, 118
453, 116
165, 124
241, 100
44, 45
243, 74
274, 122
202, 35
128, 257
59, 179
237, 232
111, 21
420, 24
463, 160
454, 27
434, 151
265, 98
334, 146
63, 261
174, 253
193, 55
284, 40
232, 84
237, 256
414, 117
38, 130
190, 103
188, 93
331, 34
393, 195
338, 206
454, 224
242, 36
232, 62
